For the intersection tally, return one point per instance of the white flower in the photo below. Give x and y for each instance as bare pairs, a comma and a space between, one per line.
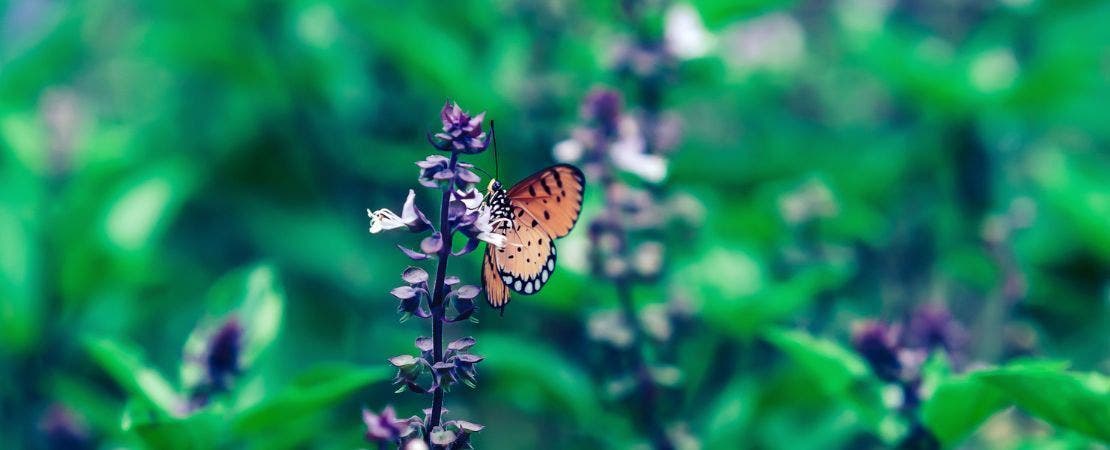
384, 219
568, 151
628, 153
485, 228
684, 34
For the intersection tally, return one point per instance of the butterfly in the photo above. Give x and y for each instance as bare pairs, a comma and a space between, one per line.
531, 215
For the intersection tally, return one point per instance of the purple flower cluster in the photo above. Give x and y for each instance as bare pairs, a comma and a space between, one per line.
443, 298
896, 354
461, 132
626, 154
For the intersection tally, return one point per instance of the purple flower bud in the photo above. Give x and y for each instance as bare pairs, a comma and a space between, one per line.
471, 245
451, 280
469, 427
461, 132
404, 362
432, 244
384, 427
434, 170
412, 254
468, 292
878, 344
424, 343
444, 372
224, 350
404, 292
461, 344
414, 275
440, 436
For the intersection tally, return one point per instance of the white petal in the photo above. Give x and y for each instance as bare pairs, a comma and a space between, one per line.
494, 239
408, 212
568, 151
384, 219
684, 34
472, 198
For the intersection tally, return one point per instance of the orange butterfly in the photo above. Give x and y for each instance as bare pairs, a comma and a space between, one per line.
531, 215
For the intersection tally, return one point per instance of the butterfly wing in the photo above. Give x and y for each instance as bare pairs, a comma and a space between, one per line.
497, 293
550, 199
546, 206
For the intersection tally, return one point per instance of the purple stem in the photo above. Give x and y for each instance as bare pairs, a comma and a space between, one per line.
440, 293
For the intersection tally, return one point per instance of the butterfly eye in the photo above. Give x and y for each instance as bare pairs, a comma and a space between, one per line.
496, 185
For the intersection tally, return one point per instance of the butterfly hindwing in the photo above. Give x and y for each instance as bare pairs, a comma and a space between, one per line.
551, 199
497, 293
527, 260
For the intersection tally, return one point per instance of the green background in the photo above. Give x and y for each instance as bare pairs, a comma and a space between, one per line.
164, 162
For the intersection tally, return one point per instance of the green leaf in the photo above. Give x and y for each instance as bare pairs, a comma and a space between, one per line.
22, 309
534, 377
748, 301
310, 394
123, 363
727, 419
838, 371
958, 405
1077, 401
201, 430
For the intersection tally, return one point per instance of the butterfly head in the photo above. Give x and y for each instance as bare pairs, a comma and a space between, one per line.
494, 186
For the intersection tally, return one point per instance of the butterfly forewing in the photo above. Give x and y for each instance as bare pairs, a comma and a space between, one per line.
551, 199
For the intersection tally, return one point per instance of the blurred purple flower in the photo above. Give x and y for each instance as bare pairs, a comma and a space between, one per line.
63, 428
224, 350
461, 132
384, 427
932, 326
878, 344
603, 106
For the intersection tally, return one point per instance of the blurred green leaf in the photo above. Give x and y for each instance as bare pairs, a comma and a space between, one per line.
19, 283
747, 301
837, 370
203, 429
1076, 401
310, 394
123, 363
958, 405
727, 419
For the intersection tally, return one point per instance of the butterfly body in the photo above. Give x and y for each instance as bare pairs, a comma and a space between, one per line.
531, 215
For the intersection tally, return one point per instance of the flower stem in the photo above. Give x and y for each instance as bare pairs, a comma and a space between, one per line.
644, 384
440, 293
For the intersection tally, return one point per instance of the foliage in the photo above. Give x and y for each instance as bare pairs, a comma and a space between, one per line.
178, 178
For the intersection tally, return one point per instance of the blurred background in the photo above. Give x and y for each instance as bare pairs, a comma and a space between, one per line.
841, 171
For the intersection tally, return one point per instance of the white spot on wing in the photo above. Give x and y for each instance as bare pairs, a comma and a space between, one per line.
544, 276
517, 285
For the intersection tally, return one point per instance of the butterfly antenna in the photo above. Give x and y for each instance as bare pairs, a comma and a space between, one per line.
483, 171
496, 164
